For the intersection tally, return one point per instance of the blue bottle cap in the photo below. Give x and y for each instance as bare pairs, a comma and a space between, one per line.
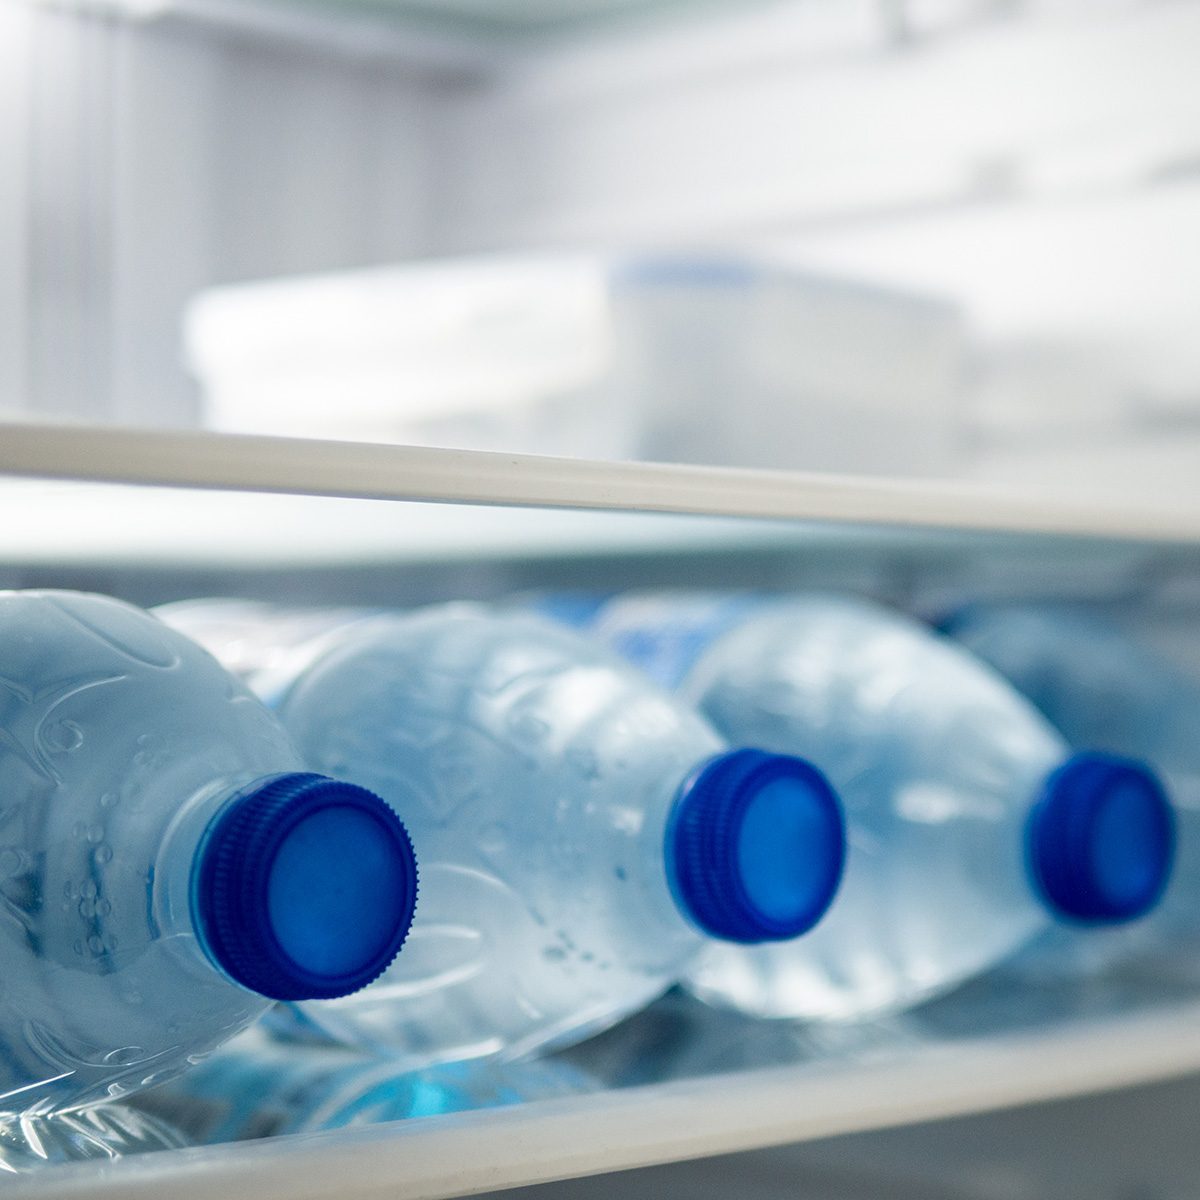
1101, 839
304, 888
755, 846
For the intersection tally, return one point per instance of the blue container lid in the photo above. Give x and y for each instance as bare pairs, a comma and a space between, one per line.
304, 888
755, 846
952, 621
1101, 839
578, 610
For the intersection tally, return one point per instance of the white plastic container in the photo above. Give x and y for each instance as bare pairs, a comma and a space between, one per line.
724, 360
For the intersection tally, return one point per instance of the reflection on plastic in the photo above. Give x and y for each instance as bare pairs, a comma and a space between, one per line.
679, 1037
107, 1131
255, 1088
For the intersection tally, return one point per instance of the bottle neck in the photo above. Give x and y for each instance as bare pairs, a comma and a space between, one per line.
175, 864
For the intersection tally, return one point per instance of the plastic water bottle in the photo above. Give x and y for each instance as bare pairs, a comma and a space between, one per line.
582, 835
256, 1087
167, 866
1103, 688
265, 645
30, 1143
1099, 686
970, 827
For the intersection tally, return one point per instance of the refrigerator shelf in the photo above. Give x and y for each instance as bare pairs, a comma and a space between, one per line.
369, 471
431, 1157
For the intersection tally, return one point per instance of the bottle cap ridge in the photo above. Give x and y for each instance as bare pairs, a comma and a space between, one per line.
755, 846
1101, 839
304, 887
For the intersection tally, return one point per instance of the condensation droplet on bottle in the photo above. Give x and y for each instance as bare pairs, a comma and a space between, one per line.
89, 889
87, 908
95, 834
103, 907
95, 945
69, 890
78, 947
109, 799
11, 860
102, 854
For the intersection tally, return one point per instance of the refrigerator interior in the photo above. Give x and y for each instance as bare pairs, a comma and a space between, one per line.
1015, 181
1009, 185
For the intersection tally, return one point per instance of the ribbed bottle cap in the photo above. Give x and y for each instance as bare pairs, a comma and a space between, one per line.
304, 888
755, 846
1101, 839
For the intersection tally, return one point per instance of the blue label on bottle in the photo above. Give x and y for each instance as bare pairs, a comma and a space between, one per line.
579, 610
665, 635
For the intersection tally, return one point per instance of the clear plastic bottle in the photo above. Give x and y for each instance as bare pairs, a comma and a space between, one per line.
970, 829
1093, 681
582, 835
265, 645
167, 867
256, 1087
1101, 687
30, 1143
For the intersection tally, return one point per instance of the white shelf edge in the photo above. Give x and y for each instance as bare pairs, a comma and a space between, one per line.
436, 1157
234, 462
